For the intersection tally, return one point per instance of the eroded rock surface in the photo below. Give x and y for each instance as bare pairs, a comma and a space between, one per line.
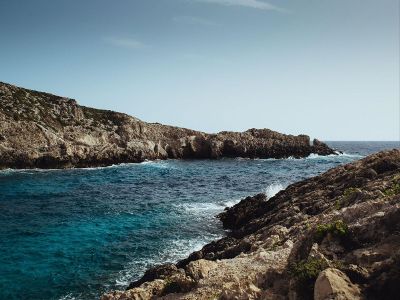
40, 130
335, 236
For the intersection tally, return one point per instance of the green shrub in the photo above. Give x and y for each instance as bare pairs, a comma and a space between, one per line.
306, 272
337, 228
349, 191
344, 199
214, 296
393, 190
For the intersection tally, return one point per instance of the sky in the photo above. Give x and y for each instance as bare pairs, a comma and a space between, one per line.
329, 69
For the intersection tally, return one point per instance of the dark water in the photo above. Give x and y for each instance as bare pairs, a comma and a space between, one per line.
73, 234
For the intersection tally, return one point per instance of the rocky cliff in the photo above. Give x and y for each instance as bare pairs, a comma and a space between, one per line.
40, 130
334, 236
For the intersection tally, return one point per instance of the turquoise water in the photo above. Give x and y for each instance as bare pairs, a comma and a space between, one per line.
74, 234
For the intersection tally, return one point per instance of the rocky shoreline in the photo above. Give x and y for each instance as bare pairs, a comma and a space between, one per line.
40, 130
333, 236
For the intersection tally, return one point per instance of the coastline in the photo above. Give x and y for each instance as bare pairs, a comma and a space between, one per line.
278, 233
117, 165
40, 130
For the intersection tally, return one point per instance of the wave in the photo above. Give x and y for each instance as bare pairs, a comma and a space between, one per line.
208, 207
311, 156
338, 154
274, 189
182, 247
231, 203
68, 297
351, 155
39, 170
162, 164
174, 251
215, 207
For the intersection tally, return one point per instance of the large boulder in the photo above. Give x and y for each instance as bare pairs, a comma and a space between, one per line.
333, 284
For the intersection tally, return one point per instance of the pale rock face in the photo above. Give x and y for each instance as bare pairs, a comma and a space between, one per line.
238, 291
199, 269
333, 284
147, 291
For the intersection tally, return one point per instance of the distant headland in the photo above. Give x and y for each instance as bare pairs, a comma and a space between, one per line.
41, 130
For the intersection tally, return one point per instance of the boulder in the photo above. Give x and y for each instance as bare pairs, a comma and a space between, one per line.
199, 269
333, 284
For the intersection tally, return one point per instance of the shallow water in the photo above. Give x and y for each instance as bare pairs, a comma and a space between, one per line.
73, 234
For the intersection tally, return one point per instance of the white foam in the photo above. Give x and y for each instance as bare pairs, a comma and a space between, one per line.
174, 251
350, 155
231, 203
68, 297
338, 154
200, 207
208, 207
273, 189
162, 164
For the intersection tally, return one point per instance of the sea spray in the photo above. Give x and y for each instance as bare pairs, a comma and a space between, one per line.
273, 189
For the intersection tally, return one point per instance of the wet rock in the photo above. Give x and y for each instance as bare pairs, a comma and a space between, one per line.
237, 215
157, 272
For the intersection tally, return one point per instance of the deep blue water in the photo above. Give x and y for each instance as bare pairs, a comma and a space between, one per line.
73, 234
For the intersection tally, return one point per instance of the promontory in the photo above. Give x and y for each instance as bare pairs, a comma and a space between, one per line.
41, 130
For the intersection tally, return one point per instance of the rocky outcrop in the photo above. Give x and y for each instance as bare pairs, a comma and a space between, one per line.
40, 130
334, 236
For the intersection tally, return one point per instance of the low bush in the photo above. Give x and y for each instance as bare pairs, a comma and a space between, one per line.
337, 228
305, 272
393, 190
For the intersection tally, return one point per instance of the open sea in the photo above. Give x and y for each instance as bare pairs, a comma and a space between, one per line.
75, 234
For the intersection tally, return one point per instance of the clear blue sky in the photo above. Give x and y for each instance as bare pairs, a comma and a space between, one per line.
326, 68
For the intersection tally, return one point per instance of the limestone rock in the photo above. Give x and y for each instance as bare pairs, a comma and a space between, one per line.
147, 291
333, 284
199, 269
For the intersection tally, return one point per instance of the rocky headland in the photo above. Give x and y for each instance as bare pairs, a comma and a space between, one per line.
40, 130
333, 236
